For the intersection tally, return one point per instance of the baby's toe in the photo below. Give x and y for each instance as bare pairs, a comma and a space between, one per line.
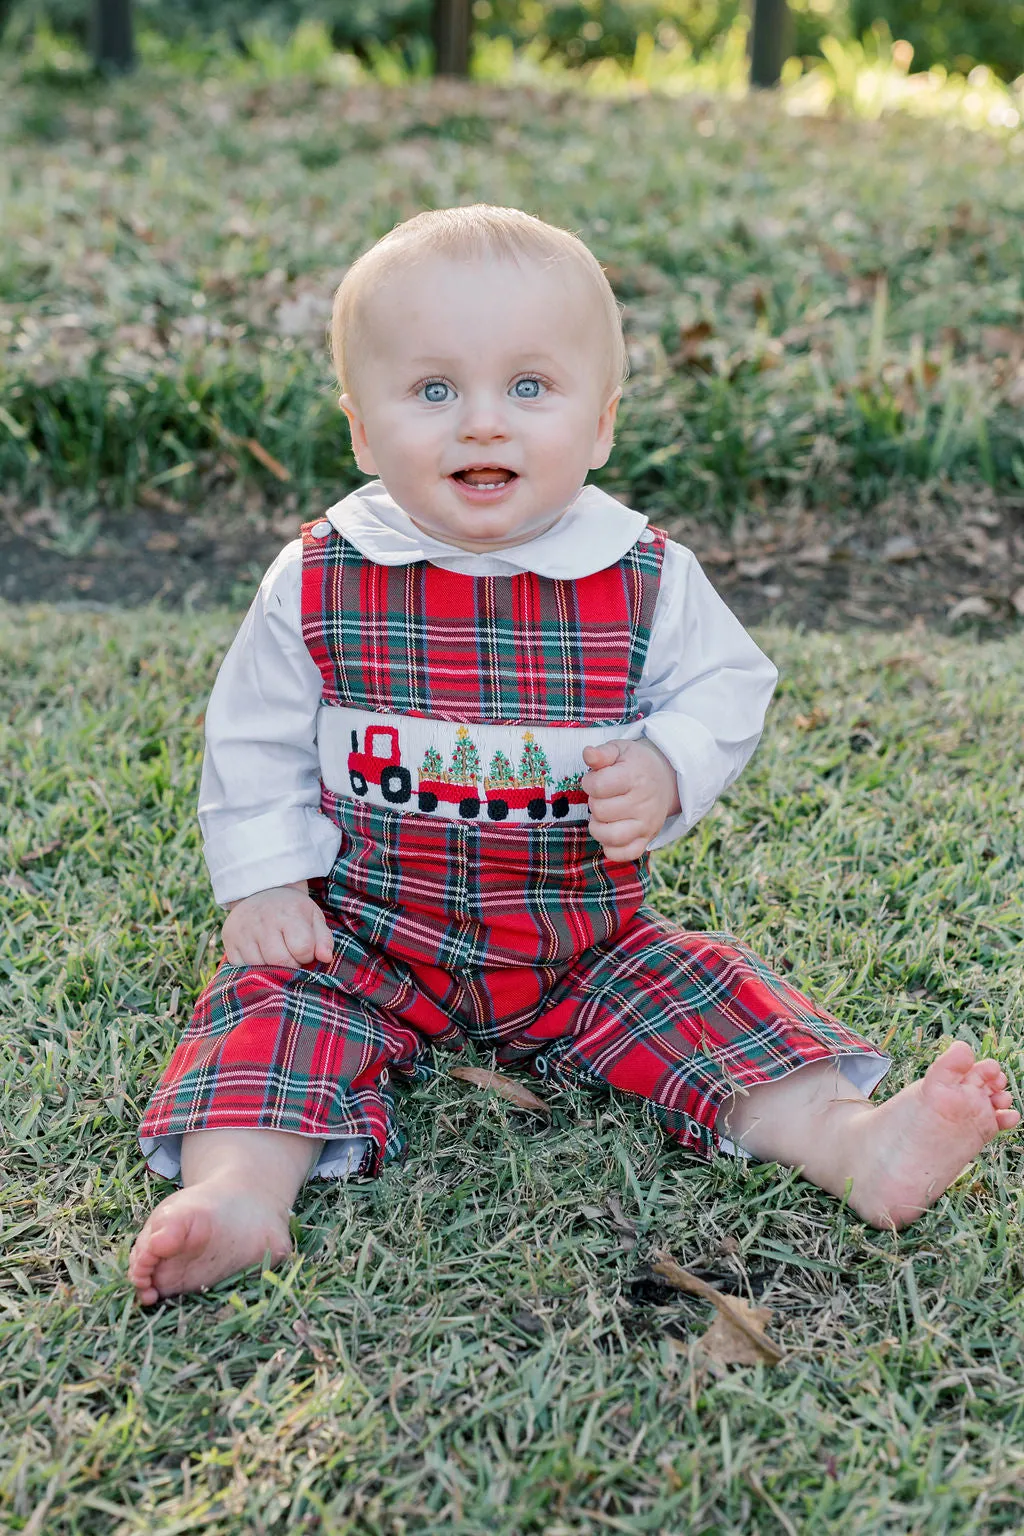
1007, 1119
176, 1232
987, 1078
142, 1264
954, 1065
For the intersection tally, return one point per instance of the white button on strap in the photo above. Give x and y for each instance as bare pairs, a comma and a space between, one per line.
647, 537
320, 530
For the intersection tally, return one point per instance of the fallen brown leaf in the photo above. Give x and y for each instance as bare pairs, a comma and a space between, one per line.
913, 663
754, 569
34, 854
834, 261
737, 1335
162, 543
267, 459
984, 517
504, 1087
156, 499
812, 722
693, 346
304, 1334
903, 659
1002, 340
728, 1340
970, 608
974, 547
812, 554
620, 1221
717, 556
900, 548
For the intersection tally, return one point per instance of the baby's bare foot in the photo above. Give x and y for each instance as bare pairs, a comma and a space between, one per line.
203, 1234
909, 1149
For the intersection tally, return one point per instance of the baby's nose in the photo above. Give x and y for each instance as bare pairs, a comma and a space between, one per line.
483, 420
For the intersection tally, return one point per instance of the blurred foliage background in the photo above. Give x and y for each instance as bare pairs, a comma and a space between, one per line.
957, 34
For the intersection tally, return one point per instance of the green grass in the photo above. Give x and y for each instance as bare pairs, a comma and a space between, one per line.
461, 1346
171, 243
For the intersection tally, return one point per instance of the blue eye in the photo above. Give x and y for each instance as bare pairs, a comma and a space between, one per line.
527, 389
436, 392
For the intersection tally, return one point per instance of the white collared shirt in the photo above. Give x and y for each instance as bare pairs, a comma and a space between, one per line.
703, 692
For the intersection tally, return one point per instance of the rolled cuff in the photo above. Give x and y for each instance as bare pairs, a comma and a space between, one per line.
273, 849
341, 1158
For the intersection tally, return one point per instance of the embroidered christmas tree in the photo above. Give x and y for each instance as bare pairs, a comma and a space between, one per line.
464, 767
501, 774
432, 766
568, 784
534, 768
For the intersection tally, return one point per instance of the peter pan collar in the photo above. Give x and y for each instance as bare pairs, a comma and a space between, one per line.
594, 532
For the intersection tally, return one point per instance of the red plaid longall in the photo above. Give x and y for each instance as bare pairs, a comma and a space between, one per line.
523, 938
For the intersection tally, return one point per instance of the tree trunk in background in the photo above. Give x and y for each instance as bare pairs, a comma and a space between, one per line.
769, 41
453, 26
113, 47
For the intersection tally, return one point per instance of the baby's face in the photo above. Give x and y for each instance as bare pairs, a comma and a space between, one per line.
481, 397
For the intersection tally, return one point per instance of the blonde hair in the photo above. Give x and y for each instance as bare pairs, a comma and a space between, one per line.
471, 234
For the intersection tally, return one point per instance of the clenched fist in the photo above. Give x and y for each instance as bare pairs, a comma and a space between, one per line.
631, 787
282, 926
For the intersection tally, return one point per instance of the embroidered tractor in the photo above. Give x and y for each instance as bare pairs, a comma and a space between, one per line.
380, 763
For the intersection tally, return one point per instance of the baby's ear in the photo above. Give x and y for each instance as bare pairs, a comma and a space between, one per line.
604, 437
360, 445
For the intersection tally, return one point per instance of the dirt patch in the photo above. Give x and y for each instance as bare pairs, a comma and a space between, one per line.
939, 558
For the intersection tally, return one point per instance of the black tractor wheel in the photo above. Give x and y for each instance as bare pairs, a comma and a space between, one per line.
469, 807
560, 807
396, 785
497, 810
427, 800
358, 781
536, 808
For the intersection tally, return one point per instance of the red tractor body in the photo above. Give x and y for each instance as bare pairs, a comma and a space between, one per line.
380, 763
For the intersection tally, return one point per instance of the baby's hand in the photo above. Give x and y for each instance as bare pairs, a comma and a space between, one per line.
632, 788
282, 926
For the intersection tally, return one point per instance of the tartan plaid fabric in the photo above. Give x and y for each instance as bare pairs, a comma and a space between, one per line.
523, 939
679, 1019
417, 639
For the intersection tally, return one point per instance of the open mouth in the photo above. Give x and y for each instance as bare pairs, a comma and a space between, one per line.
485, 477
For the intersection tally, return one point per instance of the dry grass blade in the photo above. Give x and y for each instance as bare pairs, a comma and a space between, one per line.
737, 1336
505, 1087
267, 459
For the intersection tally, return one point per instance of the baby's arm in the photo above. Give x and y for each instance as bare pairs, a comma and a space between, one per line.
260, 792
280, 926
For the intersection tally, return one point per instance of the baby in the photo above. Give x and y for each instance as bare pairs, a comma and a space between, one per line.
461, 710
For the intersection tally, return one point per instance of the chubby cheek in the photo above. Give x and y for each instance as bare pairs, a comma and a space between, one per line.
558, 463
403, 442
563, 437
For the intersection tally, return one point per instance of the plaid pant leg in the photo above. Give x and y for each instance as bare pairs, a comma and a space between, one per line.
276, 1048
684, 1020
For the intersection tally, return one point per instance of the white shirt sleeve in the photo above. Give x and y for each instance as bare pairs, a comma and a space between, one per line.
705, 689
259, 798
